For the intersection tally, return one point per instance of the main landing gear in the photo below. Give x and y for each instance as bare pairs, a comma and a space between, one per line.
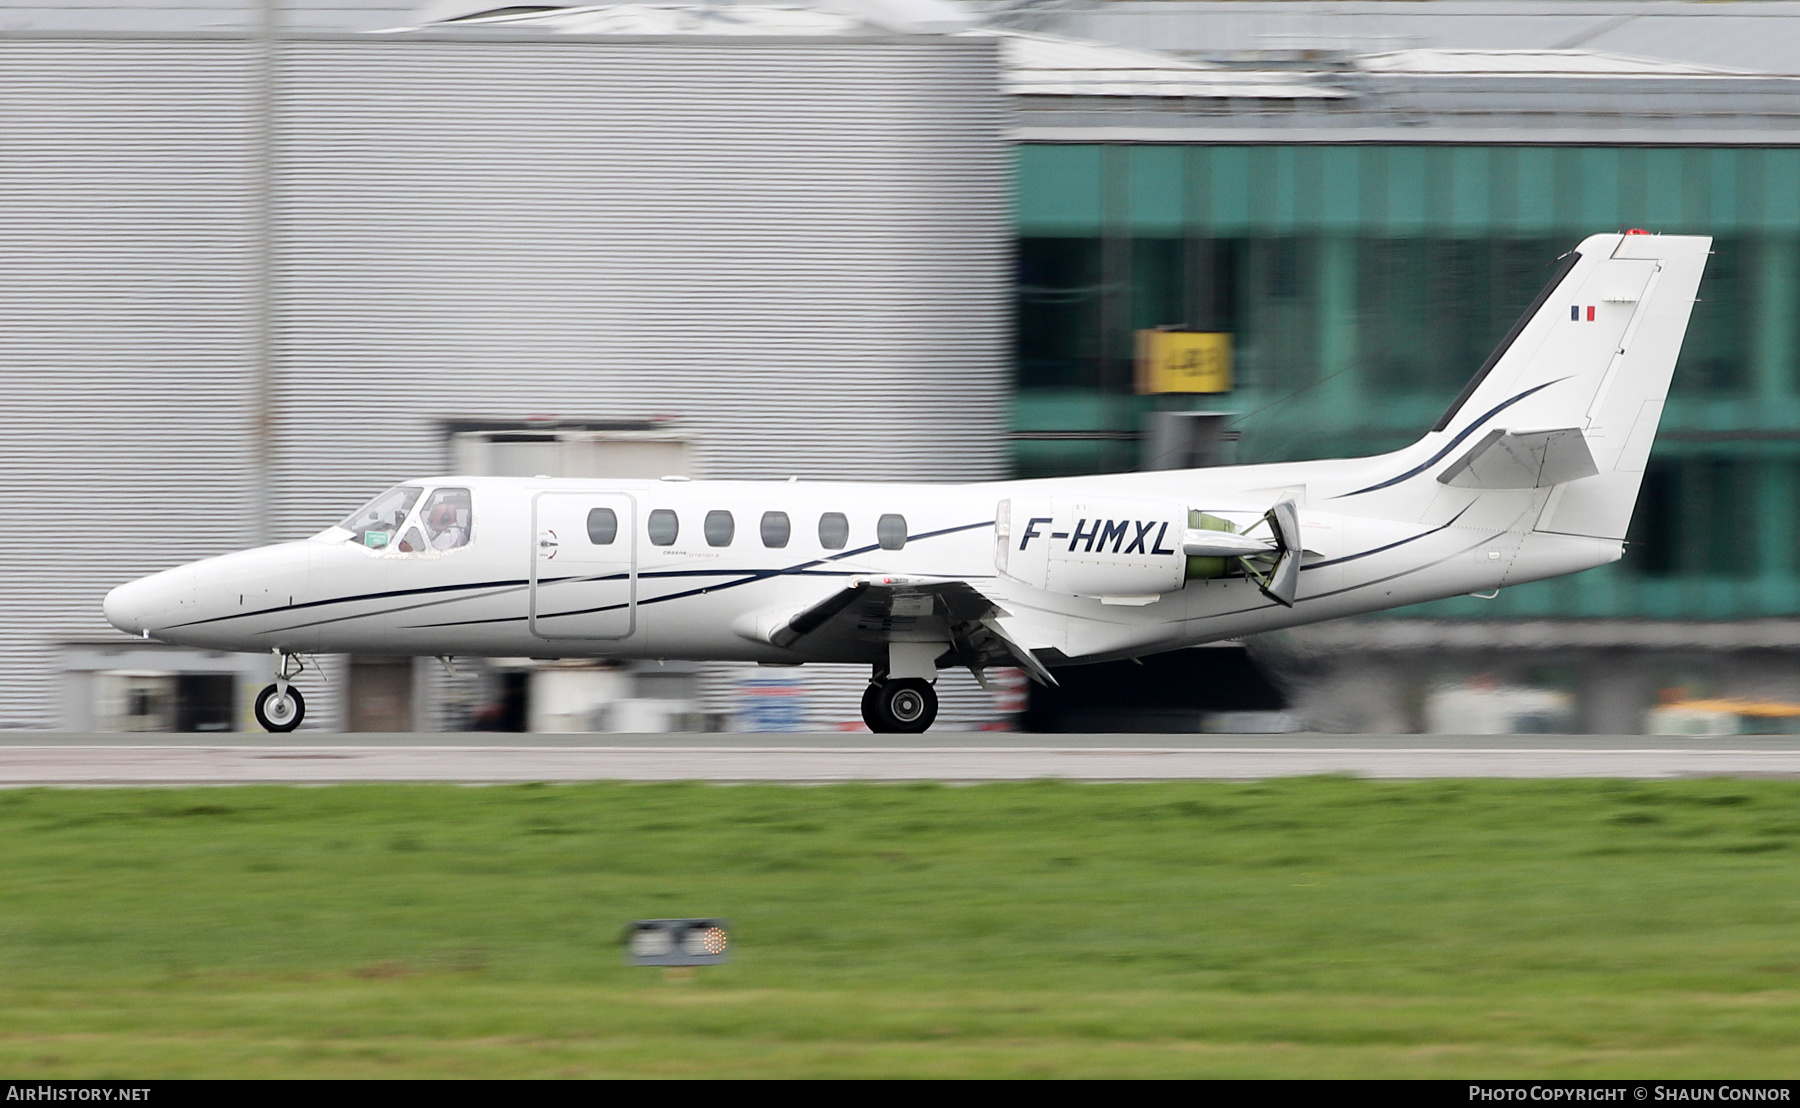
280, 707
903, 706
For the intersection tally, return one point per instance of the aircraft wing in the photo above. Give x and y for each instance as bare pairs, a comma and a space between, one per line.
880, 610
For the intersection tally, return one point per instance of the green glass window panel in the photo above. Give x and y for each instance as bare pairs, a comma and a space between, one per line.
1059, 312
1722, 166
1228, 190
1633, 187
1747, 171
1566, 197
1781, 189
1775, 535
1696, 519
1696, 188
1597, 187
1158, 190
1058, 191
1773, 322
1439, 183
1715, 356
1158, 283
1276, 342
1650, 541
1536, 184
1213, 283
1340, 180
1471, 190
1072, 457
1592, 594
1274, 190
1309, 188
1503, 190
1372, 173
1073, 409
1664, 195
1339, 276
1432, 308
1784, 309
1405, 190
1726, 517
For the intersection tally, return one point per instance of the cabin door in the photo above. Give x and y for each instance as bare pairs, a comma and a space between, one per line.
583, 565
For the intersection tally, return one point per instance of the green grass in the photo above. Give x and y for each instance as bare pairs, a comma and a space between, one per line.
1315, 927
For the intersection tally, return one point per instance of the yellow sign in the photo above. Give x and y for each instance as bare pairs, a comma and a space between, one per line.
1183, 361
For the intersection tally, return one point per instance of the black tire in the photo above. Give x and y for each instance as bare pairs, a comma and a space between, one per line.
871, 715
278, 720
907, 706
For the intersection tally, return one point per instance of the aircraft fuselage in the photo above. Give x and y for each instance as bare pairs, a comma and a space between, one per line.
528, 560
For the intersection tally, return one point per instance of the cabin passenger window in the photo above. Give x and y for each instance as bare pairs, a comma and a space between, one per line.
374, 524
603, 526
663, 527
446, 517
718, 528
834, 530
775, 530
890, 532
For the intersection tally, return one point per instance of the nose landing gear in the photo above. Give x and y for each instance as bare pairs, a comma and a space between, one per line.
280, 707
906, 706
280, 710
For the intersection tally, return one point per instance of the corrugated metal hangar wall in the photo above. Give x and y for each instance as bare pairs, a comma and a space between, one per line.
799, 249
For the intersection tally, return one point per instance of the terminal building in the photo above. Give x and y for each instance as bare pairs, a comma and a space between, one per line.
430, 267
1366, 224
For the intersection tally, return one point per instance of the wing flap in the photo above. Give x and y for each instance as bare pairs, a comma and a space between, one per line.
882, 610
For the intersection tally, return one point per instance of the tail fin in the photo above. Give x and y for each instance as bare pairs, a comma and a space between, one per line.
1573, 394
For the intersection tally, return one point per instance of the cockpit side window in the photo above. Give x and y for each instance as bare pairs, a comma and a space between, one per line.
374, 524
448, 519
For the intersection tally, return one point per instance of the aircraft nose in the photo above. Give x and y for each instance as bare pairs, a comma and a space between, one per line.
127, 606
124, 607
142, 605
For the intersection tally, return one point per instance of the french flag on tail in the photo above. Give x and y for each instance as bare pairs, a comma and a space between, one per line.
1575, 313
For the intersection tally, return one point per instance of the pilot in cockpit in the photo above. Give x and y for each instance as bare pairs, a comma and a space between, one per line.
446, 519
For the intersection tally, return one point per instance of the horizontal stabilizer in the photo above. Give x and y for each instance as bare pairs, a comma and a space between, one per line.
1523, 460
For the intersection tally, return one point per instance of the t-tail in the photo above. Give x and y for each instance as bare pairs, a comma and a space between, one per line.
1568, 402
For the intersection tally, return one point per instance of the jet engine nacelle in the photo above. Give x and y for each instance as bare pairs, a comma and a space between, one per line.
1111, 548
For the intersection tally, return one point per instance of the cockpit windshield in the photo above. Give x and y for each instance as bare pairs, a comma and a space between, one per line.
374, 524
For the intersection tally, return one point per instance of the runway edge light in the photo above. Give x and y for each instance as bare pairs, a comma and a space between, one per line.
677, 942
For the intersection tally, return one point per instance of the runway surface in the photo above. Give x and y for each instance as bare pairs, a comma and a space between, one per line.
42, 758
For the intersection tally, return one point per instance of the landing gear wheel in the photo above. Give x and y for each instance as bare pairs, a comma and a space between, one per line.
869, 713
904, 707
280, 713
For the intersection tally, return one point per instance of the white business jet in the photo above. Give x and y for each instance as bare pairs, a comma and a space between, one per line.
1532, 473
